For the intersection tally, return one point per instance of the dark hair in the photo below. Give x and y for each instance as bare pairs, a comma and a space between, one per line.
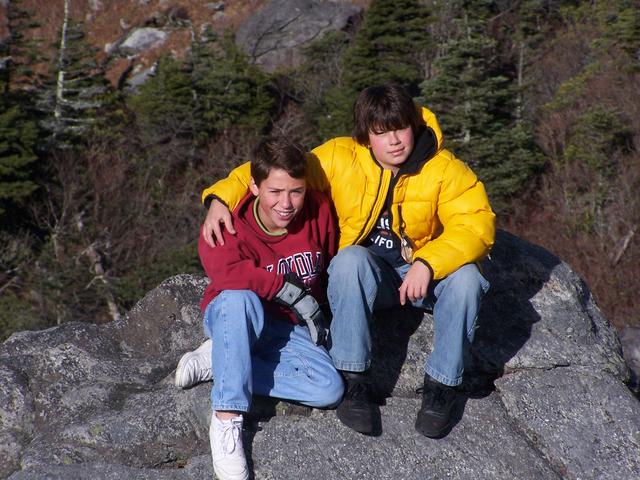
277, 152
382, 108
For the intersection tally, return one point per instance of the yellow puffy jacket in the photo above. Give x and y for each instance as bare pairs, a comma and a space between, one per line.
438, 203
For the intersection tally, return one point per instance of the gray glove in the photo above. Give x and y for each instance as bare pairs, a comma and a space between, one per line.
296, 296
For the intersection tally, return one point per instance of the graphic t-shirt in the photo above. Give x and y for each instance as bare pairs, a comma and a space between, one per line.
383, 241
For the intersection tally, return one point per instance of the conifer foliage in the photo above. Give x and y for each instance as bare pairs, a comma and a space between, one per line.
536, 95
165, 104
477, 105
230, 91
18, 129
77, 92
18, 137
216, 88
391, 46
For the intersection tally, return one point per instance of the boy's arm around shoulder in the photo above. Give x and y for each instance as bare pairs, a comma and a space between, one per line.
467, 218
230, 190
231, 267
235, 186
328, 225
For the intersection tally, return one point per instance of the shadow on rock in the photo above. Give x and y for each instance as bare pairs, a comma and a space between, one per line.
517, 272
392, 332
403, 337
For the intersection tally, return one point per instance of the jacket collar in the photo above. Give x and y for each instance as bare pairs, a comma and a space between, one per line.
424, 149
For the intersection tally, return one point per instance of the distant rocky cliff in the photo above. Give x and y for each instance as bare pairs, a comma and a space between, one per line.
131, 35
545, 394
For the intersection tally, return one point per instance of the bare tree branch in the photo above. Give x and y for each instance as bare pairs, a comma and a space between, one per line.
624, 244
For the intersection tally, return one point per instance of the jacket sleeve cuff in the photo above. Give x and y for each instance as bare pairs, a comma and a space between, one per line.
424, 262
210, 198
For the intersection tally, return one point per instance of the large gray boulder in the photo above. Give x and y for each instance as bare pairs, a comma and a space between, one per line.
275, 35
545, 394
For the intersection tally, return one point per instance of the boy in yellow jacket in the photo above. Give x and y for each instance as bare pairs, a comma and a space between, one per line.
414, 221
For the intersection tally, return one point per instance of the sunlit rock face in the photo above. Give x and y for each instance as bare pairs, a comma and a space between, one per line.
544, 394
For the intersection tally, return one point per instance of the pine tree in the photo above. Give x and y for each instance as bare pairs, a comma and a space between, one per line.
391, 46
315, 79
165, 105
477, 104
18, 137
230, 91
74, 98
23, 49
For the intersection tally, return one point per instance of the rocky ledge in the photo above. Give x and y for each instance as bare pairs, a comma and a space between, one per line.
545, 394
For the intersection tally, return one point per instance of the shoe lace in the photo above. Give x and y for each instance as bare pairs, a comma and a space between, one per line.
230, 435
202, 369
358, 391
433, 396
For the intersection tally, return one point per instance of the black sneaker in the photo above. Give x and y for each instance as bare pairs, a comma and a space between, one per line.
357, 410
434, 417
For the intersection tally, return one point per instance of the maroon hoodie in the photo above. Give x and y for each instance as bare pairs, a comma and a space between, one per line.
253, 260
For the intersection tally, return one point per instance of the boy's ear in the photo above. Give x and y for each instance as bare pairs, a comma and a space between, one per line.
253, 187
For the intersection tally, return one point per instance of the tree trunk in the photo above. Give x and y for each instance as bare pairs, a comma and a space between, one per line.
57, 112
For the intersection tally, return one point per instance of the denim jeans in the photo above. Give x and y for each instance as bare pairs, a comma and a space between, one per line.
361, 282
254, 353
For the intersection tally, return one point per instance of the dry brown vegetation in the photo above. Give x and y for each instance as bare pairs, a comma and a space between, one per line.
588, 214
133, 202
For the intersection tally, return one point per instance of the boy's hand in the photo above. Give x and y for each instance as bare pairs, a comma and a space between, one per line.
218, 214
295, 295
415, 283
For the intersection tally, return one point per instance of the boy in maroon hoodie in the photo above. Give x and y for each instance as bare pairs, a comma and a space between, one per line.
262, 307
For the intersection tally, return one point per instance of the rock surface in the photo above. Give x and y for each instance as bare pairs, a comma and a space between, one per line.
275, 35
630, 339
142, 39
545, 394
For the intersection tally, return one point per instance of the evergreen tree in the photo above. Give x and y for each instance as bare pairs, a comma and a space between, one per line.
215, 89
18, 136
165, 105
627, 28
23, 49
391, 46
74, 98
317, 76
230, 91
477, 104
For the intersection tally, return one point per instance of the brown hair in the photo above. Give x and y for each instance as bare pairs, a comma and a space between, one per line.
382, 108
277, 152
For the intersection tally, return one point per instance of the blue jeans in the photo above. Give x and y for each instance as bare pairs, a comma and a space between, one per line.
255, 353
361, 282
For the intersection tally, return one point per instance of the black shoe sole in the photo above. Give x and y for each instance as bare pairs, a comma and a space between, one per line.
368, 424
435, 434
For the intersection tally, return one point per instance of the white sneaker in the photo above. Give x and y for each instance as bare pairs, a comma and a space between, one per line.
227, 451
194, 367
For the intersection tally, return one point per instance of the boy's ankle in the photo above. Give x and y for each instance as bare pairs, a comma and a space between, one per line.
226, 415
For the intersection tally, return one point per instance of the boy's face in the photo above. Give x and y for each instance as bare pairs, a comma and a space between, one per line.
281, 198
392, 148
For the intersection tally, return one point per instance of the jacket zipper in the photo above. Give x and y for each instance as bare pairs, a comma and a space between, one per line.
363, 233
407, 247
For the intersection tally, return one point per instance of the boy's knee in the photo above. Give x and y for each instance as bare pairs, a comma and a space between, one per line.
469, 279
231, 301
331, 391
